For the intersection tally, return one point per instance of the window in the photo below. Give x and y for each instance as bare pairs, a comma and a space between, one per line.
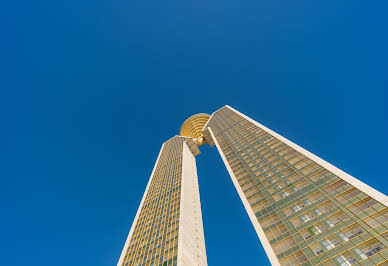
313, 230
372, 247
270, 220
353, 231
346, 258
377, 219
343, 261
296, 208
317, 249
296, 259
320, 226
296, 222
334, 241
305, 218
327, 244
329, 223
362, 205
360, 254
343, 237
276, 232
284, 245
288, 212
306, 235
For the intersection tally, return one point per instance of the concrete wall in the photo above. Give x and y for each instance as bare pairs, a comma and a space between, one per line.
191, 240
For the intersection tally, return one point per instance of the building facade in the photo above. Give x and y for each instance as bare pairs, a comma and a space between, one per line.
305, 211
168, 229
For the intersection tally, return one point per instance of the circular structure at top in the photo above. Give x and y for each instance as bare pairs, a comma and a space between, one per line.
193, 126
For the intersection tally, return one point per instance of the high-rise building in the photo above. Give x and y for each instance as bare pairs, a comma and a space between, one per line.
305, 211
168, 229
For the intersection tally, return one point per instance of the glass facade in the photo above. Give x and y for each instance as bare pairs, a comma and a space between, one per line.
155, 237
308, 214
304, 210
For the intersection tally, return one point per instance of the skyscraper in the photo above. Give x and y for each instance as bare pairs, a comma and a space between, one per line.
168, 229
304, 210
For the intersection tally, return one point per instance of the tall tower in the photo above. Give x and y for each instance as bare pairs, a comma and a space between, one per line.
167, 229
305, 211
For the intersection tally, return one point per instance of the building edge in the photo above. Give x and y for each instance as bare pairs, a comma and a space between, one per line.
125, 248
377, 195
259, 230
191, 239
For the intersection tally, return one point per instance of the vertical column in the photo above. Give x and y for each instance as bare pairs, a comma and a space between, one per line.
191, 242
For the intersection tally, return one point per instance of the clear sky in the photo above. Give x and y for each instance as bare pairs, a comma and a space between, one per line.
89, 90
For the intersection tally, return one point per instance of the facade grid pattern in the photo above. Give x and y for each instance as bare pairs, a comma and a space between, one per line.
304, 210
155, 237
309, 215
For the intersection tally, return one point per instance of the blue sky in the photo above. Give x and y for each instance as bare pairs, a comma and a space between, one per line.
89, 90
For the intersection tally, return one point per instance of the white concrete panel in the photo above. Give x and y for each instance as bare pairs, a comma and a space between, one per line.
191, 240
